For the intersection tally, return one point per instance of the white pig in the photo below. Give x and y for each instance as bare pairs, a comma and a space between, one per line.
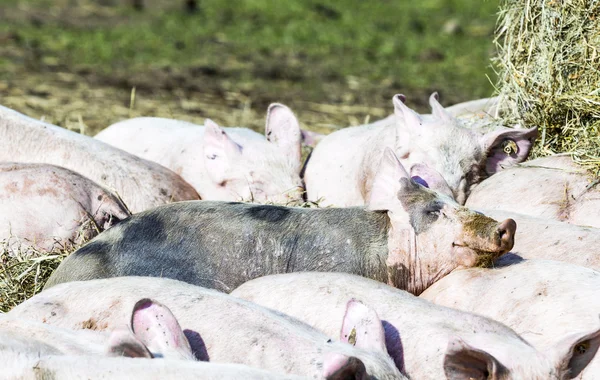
47, 207
544, 300
539, 238
29, 367
141, 184
551, 187
342, 167
219, 327
150, 331
434, 341
228, 164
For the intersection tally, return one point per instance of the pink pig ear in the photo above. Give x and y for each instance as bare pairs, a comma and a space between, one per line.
430, 178
340, 367
411, 119
362, 327
438, 110
507, 147
465, 362
575, 351
283, 129
387, 183
220, 151
157, 328
122, 342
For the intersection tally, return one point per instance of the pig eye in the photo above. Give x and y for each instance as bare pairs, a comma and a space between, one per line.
433, 213
510, 147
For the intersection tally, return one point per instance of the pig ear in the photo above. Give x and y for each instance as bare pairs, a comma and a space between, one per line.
157, 328
430, 178
437, 109
310, 138
362, 327
465, 362
507, 147
387, 182
340, 367
283, 130
576, 351
122, 342
410, 117
219, 151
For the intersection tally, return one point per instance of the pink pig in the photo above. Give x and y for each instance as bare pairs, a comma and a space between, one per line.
46, 207
141, 184
342, 167
228, 164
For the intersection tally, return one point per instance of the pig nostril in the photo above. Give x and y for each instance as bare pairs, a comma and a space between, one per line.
501, 232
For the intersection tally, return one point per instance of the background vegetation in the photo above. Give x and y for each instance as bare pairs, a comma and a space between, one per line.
335, 62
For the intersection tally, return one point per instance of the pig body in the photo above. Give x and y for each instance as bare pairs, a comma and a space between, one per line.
542, 299
141, 184
343, 166
540, 238
479, 107
423, 331
550, 187
26, 335
409, 237
48, 207
219, 327
221, 163
29, 367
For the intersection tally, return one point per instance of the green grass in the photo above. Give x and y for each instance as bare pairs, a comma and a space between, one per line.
320, 49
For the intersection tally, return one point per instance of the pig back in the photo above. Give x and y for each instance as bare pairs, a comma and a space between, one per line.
140, 183
221, 245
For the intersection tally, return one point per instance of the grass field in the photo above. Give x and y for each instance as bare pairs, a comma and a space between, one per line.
75, 62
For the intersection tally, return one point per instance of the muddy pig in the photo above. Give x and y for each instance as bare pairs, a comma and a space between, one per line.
409, 236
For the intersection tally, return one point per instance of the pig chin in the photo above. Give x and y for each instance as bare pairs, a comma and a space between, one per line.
467, 257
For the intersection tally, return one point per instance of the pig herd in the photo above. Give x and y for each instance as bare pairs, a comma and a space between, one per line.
198, 257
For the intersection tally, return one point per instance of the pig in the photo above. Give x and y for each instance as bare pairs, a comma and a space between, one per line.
28, 367
479, 107
342, 168
226, 164
141, 184
46, 207
543, 299
219, 327
409, 236
152, 331
435, 340
539, 238
551, 187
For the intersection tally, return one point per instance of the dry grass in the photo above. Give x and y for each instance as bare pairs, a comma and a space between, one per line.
25, 269
549, 73
23, 273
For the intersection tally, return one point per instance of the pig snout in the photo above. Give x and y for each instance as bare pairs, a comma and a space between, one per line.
483, 239
506, 235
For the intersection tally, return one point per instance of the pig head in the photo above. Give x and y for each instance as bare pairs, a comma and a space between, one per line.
431, 235
463, 156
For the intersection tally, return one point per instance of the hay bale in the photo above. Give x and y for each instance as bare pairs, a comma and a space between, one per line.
549, 73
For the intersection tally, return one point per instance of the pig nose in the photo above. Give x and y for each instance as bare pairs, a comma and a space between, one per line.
506, 233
